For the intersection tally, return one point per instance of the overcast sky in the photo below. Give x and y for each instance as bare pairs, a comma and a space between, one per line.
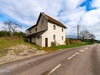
71, 13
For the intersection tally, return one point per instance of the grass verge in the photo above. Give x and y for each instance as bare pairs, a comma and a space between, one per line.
5, 44
53, 48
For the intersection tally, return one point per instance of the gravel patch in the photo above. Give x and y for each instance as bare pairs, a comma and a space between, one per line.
20, 52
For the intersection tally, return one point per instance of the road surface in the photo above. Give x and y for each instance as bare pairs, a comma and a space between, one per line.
83, 60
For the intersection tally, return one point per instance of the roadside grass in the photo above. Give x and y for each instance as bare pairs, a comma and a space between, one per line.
97, 42
5, 44
53, 48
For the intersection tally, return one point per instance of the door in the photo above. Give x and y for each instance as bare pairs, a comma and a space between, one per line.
30, 39
46, 42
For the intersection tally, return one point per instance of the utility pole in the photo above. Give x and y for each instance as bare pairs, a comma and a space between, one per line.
78, 33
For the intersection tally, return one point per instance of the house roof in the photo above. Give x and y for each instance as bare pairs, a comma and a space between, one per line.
50, 19
37, 34
53, 20
31, 27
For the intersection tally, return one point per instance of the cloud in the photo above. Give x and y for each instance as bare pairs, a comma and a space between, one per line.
91, 19
96, 3
27, 12
1, 25
69, 12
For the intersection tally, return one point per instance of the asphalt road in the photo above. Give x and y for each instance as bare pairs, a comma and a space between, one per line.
83, 60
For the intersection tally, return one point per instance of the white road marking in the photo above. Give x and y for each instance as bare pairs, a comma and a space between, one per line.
77, 53
71, 56
54, 69
81, 50
86, 48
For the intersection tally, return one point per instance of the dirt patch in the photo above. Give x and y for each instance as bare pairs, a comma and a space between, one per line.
20, 52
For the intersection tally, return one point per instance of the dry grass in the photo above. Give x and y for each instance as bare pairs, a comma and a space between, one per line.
67, 41
6, 44
75, 41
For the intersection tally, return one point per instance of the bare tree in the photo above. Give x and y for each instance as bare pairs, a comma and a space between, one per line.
84, 34
92, 38
11, 26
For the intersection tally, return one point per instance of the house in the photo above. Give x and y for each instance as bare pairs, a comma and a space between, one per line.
46, 31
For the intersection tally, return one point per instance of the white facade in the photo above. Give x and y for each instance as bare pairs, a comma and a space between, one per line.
53, 33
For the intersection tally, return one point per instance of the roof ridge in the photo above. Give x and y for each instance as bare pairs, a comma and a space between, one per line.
52, 19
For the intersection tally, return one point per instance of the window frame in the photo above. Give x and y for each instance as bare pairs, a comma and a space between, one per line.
35, 29
62, 29
54, 37
62, 38
30, 31
42, 20
54, 27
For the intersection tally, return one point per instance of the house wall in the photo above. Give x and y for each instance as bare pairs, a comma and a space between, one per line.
50, 32
36, 40
42, 25
39, 41
33, 40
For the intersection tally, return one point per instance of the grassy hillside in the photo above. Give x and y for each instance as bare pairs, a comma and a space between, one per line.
4, 44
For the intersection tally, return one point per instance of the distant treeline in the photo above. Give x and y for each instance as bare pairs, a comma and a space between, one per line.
96, 41
10, 34
74, 40
10, 31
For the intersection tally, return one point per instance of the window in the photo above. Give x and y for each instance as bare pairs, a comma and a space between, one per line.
35, 29
29, 31
38, 37
62, 29
62, 38
54, 37
42, 20
54, 27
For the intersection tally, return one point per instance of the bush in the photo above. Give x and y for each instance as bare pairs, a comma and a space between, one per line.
15, 35
67, 41
53, 43
5, 33
75, 41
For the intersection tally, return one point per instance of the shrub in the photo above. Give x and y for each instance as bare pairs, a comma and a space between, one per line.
10, 35
75, 41
67, 41
19, 34
5, 33
53, 43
